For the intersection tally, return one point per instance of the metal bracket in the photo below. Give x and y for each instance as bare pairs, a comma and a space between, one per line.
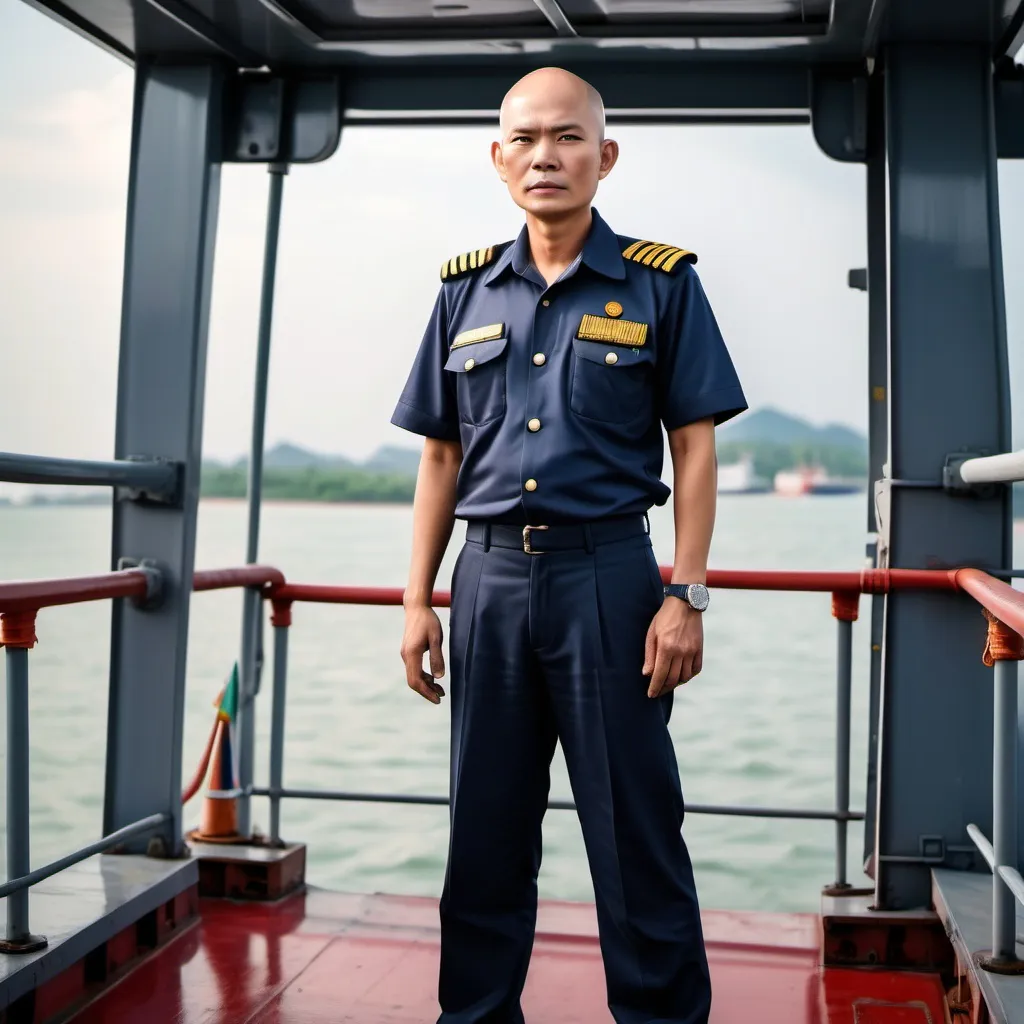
169, 497
271, 119
839, 113
156, 577
935, 851
954, 483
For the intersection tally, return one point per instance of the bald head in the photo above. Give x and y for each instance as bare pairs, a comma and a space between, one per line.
553, 151
554, 86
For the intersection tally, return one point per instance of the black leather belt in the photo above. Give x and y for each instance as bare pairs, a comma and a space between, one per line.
538, 540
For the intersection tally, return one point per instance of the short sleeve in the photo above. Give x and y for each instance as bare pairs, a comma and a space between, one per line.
696, 376
428, 404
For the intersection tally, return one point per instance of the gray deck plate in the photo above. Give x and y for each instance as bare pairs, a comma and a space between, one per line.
963, 900
84, 906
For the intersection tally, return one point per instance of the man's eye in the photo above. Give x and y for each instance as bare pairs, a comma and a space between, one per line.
574, 138
520, 138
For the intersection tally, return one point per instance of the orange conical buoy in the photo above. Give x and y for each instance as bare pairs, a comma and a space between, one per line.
218, 821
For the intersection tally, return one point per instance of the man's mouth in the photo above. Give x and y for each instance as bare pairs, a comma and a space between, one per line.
545, 186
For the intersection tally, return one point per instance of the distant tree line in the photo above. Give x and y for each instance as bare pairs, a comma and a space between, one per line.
310, 484
770, 457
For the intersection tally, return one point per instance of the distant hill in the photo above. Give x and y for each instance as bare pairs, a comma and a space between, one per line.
389, 459
769, 426
392, 459
761, 428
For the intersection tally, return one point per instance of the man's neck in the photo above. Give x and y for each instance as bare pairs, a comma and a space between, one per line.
554, 244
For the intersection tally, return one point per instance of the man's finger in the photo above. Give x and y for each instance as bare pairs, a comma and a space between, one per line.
650, 650
698, 662
413, 666
426, 687
685, 669
436, 657
662, 664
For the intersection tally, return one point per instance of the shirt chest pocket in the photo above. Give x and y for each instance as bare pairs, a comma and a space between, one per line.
610, 383
479, 370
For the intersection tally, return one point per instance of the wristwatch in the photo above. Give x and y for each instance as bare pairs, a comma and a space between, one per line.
694, 594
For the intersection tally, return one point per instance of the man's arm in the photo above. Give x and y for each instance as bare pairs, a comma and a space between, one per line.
433, 518
675, 641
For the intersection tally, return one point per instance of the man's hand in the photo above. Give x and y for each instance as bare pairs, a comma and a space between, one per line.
423, 633
675, 647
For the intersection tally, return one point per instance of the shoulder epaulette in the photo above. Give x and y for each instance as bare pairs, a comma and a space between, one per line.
661, 257
467, 261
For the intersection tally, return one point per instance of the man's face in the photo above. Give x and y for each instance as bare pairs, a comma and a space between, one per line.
551, 154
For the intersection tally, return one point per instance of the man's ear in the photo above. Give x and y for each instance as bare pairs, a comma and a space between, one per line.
609, 157
498, 159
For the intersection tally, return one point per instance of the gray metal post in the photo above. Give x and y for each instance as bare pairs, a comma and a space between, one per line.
18, 938
252, 602
1004, 801
277, 729
948, 387
174, 186
878, 414
844, 688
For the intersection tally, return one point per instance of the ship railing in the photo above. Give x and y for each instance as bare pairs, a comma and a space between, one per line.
845, 589
20, 604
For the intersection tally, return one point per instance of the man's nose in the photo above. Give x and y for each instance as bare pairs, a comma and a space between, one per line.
545, 157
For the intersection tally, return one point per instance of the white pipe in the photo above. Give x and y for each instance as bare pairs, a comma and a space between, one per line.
994, 469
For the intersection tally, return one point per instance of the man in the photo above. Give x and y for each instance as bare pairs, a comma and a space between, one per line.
545, 375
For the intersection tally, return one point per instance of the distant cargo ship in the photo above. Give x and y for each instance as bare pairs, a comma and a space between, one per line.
740, 478
812, 480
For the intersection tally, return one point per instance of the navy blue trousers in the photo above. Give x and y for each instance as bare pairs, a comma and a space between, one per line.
547, 648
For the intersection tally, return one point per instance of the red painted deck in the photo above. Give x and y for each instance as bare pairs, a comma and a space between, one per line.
326, 958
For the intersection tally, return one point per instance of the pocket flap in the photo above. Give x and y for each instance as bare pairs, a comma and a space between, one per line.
466, 357
599, 352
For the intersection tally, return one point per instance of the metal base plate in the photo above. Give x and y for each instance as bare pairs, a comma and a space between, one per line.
29, 944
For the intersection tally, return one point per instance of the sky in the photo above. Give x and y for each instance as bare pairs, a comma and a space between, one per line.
776, 225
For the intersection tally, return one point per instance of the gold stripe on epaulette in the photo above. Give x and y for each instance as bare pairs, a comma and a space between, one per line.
471, 337
466, 261
680, 254
615, 332
657, 255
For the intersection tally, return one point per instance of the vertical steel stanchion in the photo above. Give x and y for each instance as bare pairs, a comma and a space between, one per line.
1003, 649
845, 607
251, 607
17, 634
1004, 809
281, 619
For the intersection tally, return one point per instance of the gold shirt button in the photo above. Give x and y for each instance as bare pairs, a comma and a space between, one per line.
531, 484
610, 359
534, 424
546, 302
470, 363
539, 359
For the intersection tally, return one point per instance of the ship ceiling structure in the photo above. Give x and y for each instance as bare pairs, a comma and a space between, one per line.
445, 62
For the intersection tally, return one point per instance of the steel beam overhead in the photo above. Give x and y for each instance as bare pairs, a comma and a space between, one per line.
552, 10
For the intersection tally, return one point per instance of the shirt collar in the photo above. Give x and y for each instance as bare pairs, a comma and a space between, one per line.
601, 253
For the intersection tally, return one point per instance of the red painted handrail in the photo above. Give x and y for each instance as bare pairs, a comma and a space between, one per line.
31, 595
1005, 603
870, 581
1000, 599
245, 576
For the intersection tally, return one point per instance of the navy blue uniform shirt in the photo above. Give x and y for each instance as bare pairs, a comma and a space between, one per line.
559, 394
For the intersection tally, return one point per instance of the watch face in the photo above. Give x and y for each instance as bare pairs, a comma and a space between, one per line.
698, 596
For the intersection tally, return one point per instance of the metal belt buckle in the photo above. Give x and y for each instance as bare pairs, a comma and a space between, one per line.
526, 539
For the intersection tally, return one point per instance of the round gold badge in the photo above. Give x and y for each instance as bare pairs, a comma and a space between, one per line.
613, 308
